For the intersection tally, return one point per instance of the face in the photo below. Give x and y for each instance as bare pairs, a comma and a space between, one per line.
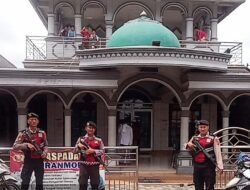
33, 122
203, 129
90, 130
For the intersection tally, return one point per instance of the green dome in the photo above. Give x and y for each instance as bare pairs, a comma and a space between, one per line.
143, 32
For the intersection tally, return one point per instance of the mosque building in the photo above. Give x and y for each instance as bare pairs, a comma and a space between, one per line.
156, 63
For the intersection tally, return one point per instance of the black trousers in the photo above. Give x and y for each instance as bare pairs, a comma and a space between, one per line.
204, 174
29, 166
86, 172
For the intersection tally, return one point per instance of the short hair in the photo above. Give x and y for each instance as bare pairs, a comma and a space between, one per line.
32, 114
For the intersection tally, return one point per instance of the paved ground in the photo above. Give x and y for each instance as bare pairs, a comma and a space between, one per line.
151, 186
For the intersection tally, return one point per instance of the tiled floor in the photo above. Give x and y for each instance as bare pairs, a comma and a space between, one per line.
157, 160
150, 186
164, 187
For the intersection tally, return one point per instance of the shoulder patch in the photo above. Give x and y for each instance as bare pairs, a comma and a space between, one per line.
98, 138
216, 140
41, 131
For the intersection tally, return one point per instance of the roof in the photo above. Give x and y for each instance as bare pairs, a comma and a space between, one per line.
143, 32
4, 63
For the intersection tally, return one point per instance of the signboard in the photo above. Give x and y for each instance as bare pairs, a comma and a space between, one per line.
61, 169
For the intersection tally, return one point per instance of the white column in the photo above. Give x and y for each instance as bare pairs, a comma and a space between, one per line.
214, 23
225, 124
51, 24
78, 24
112, 128
158, 11
67, 127
22, 118
189, 29
109, 27
184, 128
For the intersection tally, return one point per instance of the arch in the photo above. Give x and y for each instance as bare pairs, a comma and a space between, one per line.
178, 5
100, 94
34, 93
140, 90
204, 9
132, 3
11, 93
148, 77
236, 95
86, 4
64, 3
216, 95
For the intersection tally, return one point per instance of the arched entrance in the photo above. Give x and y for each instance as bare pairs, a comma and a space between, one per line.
88, 107
8, 119
136, 107
152, 101
50, 109
239, 112
206, 107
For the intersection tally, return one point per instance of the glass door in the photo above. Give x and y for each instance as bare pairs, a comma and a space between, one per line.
142, 129
141, 123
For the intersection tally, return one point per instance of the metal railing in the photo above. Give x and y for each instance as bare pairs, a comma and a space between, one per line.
54, 47
233, 140
121, 162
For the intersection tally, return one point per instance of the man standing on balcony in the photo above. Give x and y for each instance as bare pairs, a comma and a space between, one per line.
207, 157
33, 142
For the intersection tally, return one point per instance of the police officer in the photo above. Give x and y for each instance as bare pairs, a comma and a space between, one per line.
33, 142
204, 169
91, 149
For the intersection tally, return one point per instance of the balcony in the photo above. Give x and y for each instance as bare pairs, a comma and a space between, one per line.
48, 50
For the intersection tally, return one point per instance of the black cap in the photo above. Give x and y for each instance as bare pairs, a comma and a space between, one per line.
31, 114
91, 124
203, 122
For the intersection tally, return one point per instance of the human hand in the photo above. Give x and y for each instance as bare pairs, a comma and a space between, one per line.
220, 171
43, 155
90, 151
31, 147
190, 146
81, 146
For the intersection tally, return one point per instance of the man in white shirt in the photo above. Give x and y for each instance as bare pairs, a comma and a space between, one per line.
125, 139
126, 134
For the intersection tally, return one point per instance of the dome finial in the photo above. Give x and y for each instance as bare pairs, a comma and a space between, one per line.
143, 13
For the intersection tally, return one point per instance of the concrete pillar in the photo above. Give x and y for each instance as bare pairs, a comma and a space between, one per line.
78, 24
22, 118
184, 159
158, 11
109, 28
189, 28
112, 128
225, 124
51, 24
67, 127
184, 128
214, 23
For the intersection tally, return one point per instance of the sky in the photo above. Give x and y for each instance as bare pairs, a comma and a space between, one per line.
18, 20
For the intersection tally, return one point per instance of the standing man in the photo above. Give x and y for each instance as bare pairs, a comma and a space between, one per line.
91, 149
33, 142
206, 161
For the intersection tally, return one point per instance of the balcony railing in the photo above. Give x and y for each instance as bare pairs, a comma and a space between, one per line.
58, 47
